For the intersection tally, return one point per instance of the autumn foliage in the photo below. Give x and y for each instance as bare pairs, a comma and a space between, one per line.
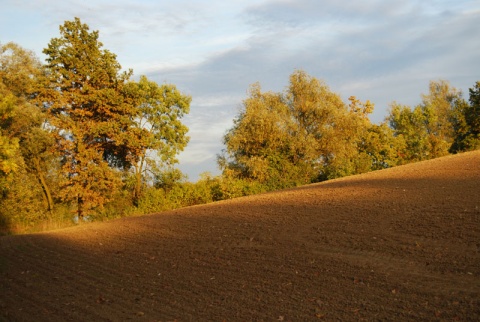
308, 134
80, 140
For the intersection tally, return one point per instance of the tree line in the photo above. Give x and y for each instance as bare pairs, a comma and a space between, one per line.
307, 134
80, 140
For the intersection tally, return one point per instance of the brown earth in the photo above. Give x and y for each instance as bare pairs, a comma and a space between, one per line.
397, 244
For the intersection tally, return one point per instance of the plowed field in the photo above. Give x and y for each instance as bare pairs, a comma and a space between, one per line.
396, 244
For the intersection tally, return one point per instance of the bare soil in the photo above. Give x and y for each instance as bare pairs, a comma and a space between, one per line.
396, 244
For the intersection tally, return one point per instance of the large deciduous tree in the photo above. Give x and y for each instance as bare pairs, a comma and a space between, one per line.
20, 71
429, 129
409, 126
83, 96
261, 145
437, 107
466, 122
303, 135
26, 192
157, 134
18, 68
8, 145
331, 128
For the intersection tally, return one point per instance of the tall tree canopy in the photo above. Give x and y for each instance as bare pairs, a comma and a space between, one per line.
19, 70
466, 122
438, 106
303, 135
83, 95
27, 194
434, 127
409, 126
107, 125
8, 144
157, 134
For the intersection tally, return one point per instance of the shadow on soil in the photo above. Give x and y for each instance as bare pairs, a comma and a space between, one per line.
363, 248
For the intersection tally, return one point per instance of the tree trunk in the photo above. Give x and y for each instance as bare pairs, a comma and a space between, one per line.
80, 209
43, 183
138, 182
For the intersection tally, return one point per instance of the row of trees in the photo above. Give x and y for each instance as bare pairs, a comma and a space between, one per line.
308, 134
80, 139
77, 131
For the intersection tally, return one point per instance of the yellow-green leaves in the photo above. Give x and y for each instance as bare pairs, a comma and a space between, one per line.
156, 134
466, 122
8, 149
433, 127
302, 135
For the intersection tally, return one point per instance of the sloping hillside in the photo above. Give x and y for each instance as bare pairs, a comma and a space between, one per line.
397, 244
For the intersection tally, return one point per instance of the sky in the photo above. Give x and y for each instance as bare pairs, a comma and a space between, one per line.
377, 50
